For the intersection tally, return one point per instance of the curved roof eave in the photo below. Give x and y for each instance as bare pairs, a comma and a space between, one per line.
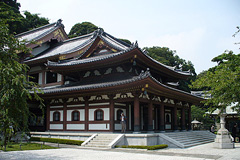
143, 78
114, 55
45, 57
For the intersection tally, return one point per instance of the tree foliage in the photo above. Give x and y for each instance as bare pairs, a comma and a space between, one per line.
125, 40
15, 89
222, 81
199, 113
81, 29
17, 23
168, 57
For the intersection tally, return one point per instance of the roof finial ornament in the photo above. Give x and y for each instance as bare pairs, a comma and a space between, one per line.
59, 22
99, 32
136, 44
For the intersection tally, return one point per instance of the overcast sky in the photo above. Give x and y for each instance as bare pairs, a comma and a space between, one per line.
198, 30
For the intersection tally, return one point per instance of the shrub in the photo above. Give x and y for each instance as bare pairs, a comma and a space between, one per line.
56, 140
161, 146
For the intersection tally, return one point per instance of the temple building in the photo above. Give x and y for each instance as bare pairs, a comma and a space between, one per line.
88, 81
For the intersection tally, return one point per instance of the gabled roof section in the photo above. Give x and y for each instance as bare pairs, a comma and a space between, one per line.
63, 49
130, 53
82, 47
43, 34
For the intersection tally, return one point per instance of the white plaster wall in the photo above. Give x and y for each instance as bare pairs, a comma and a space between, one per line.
105, 126
105, 112
91, 114
115, 112
59, 77
56, 126
61, 115
82, 114
75, 126
40, 78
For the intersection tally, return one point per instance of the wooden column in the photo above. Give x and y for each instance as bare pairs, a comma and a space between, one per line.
43, 79
136, 113
189, 118
64, 114
48, 117
175, 124
183, 119
111, 113
86, 112
162, 117
150, 116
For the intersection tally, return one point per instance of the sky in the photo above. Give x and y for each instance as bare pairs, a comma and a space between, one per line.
198, 30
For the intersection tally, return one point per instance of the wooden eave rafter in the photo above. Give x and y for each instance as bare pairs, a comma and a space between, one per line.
150, 85
116, 60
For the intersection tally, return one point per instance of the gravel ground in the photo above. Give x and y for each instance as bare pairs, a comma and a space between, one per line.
68, 152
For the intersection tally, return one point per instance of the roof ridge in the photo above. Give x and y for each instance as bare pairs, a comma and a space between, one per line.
117, 39
35, 29
79, 37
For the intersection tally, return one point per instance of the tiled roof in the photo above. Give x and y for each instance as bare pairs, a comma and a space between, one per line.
74, 44
141, 76
109, 56
38, 33
67, 88
87, 60
67, 46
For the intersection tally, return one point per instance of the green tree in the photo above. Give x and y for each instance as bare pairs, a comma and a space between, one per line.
199, 113
12, 17
17, 23
12, 3
222, 82
168, 57
32, 21
125, 40
15, 89
81, 29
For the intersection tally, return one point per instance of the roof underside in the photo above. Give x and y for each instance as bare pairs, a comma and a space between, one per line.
115, 84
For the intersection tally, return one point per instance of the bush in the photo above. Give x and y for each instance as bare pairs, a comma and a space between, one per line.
56, 140
161, 146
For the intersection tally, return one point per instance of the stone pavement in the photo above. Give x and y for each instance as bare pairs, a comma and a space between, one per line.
66, 152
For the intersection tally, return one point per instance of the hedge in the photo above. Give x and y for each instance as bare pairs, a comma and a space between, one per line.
161, 146
56, 140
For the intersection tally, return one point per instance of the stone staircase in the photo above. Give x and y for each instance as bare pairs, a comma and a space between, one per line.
188, 139
103, 140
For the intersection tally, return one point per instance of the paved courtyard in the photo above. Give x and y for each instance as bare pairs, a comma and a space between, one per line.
202, 152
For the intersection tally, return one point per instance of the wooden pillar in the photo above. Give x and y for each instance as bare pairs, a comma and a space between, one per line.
48, 117
86, 112
162, 118
136, 113
150, 116
175, 124
64, 114
183, 119
189, 118
111, 113
43, 79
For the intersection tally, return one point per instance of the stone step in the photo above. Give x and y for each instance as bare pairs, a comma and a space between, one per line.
99, 145
189, 139
102, 140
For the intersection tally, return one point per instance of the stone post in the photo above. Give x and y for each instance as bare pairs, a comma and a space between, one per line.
223, 139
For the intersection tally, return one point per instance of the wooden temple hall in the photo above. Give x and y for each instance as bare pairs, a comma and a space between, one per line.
88, 81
